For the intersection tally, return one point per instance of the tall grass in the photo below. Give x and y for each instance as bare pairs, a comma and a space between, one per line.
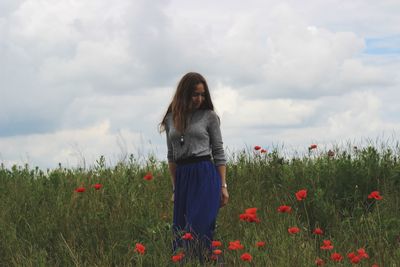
45, 222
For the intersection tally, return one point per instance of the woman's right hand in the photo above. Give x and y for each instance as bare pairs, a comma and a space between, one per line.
172, 198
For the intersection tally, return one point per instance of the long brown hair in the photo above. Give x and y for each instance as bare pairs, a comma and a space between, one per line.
181, 104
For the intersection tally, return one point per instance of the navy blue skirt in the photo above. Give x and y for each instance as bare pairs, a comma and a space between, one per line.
196, 204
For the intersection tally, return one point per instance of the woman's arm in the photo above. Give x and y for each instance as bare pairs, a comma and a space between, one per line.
218, 153
224, 189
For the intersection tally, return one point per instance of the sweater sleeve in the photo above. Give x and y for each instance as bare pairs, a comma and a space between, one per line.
214, 131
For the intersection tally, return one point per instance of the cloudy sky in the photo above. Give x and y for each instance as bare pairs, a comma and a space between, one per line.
80, 79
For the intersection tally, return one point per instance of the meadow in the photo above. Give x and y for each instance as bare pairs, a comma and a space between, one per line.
326, 208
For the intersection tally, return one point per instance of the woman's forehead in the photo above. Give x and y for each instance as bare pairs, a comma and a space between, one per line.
199, 87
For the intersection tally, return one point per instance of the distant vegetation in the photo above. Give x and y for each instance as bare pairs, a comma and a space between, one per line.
121, 215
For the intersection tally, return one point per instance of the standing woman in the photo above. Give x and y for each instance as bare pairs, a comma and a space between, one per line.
196, 162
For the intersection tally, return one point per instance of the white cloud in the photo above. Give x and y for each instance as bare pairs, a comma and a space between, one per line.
278, 71
355, 73
72, 147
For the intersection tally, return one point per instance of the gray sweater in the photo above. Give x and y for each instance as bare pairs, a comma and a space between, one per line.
202, 137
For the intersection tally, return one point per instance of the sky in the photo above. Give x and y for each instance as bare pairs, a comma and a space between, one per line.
81, 79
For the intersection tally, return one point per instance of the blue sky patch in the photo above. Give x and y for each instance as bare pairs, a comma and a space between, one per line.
382, 46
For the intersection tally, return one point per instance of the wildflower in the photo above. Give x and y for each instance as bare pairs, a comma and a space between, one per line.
284, 209
140, 248
351, 255
263, 150
80, 189
260, 244
250, 215
313, 146
235, 245
293, 230
214, 257
97, 186
257, 148
148, 176
355, 259
178, 257
318, 231
301, 194
336, 257
361, 252
319, 262
246, 257
375, 265
376, 195
187, 236
217, 251
216, 244
327, 245
251, 211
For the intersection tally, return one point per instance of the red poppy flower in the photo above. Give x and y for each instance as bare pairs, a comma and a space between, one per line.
260, 244
376, 195
148, 176
319, 262
355, 259
301, 194
313, 146
327, 245
361, 252
246, 257
97, 186
257, 148
375, 265
187, 236
293, 230
216, 244
80, 189
249, 217
351, 255
139, 248
217, 251
178, 257
285, 209
318, 231
263, 151
251, 211
214, 257
235, 245
336, 257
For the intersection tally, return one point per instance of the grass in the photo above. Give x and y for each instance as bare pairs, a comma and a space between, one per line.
44, 222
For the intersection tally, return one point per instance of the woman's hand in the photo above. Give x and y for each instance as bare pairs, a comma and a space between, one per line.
224, 197
172, 198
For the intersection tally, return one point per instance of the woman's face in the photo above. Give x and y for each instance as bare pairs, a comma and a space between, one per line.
198, 96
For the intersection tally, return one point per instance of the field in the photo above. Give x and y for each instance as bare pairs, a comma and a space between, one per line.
60, 217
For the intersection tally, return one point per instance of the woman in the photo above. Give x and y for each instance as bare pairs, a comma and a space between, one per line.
199, 185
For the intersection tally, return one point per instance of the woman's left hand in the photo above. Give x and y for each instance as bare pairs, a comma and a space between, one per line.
224, 196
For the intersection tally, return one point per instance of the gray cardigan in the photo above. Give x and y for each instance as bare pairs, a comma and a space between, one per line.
202, 137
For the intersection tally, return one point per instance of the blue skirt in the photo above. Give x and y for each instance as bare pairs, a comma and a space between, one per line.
196, 204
